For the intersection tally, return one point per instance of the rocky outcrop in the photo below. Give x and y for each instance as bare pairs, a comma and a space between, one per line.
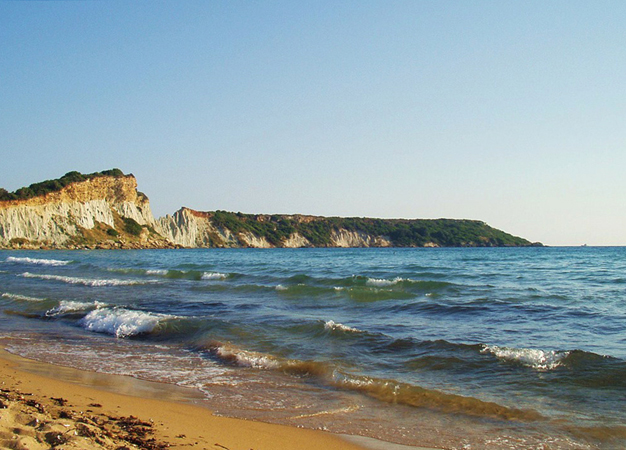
189, 228
195, 229
57, 218
296, 240
345, 238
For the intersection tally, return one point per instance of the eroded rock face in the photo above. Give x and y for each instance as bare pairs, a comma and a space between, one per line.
53, 219
296, 240
345, 238
186, 229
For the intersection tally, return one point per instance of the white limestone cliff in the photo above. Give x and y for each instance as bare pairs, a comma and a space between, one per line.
53, 219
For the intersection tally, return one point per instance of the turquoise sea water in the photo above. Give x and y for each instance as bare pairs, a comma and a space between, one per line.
452, 348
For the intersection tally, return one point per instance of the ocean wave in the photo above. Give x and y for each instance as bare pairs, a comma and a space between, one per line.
335, 326
19, 297
245, 358
173, 273
156, 271
381, 282
399, 282
392, 391
214, 276
84, 281
120, 322
388, 391
43, 262
70, 306
534, 358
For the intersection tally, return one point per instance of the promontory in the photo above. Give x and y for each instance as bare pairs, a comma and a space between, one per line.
104, 210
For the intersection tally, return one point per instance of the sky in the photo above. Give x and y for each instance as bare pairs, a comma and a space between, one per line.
513, 113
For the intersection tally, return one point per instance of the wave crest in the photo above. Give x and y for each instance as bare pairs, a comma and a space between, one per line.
69, 306
214, 276
120, 322
84, 281
42, 262
331, 325
381, 282
23, 298
534, 358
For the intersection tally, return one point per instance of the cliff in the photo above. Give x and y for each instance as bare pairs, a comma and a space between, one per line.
191, 228
99, 211
105, 210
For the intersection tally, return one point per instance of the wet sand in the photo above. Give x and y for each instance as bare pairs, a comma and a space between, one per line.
44, 406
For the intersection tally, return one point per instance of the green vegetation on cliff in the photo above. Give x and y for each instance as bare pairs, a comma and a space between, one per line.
400, 232
44, 187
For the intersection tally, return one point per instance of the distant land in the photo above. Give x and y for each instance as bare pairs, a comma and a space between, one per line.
104, 210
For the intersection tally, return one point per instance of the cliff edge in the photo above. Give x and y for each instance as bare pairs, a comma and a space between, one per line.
95, 211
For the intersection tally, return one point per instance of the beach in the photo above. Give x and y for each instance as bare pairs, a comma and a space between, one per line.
37, 412
439, 348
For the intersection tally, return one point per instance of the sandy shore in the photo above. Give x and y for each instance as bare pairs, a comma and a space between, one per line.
44, 406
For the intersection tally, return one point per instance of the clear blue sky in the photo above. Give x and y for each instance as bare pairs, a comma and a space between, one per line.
509, 112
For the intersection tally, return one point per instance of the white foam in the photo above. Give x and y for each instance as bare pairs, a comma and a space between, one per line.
121, 322
280, 287
381, 282
21, 297
535, 358
67, 306
44, 262
332, 325
157, 272
214, 276
85, 281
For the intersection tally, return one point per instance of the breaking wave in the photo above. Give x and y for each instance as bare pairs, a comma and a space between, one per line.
23, 298
120, 322
331, 325
70, 306
381, 282
43, 262
156, 272
214, 276
83, 281
534, 358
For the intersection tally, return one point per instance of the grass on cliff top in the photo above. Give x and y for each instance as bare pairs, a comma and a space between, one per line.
44, 187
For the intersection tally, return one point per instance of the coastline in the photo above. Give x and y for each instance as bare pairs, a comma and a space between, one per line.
169, 415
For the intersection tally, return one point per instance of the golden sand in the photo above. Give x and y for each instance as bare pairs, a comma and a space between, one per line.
44, 406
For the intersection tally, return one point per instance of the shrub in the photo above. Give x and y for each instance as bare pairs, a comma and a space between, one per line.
44, 187
112, 232
132, 227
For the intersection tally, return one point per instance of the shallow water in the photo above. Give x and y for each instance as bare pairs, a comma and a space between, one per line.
458, 348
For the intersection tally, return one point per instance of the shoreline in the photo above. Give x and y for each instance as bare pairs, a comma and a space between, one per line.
173, 415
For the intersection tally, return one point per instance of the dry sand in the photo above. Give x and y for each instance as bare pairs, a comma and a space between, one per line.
44, 406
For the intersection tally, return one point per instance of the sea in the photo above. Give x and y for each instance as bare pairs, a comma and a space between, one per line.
454, 348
